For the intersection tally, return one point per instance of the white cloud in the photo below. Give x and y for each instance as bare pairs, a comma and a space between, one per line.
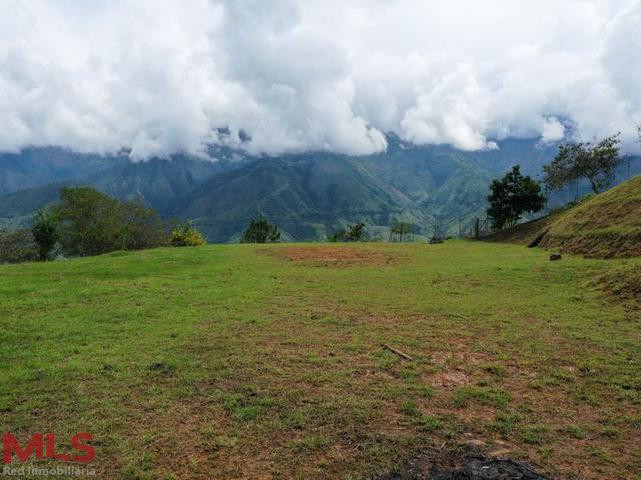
295, 75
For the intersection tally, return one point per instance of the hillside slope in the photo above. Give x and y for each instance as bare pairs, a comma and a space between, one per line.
604, 226
608, 225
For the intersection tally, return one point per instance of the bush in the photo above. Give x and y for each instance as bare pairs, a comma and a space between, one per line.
16, 247
186, 236
260, 231
45, 232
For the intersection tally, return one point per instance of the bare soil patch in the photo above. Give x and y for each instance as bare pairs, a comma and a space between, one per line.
336, 256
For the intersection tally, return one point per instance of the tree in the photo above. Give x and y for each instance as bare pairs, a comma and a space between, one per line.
260, 231
597, 163
92, 223
353, 233
45, 231
511, 196
401, 228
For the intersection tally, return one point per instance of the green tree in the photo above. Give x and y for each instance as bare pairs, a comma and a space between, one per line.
91, 223
596, 163
400, 229
45, 231
511, 196
260, 231
354, 233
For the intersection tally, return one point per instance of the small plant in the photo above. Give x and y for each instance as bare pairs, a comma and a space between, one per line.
186, 236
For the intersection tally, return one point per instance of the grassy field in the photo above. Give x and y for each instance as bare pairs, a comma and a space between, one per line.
266, 361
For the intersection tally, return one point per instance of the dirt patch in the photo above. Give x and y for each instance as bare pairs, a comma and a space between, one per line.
336, 256
452, 378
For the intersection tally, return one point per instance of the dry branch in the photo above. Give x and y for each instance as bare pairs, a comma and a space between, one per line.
397, 352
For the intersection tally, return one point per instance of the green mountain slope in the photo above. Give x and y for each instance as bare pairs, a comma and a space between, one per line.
35, 167
306, 196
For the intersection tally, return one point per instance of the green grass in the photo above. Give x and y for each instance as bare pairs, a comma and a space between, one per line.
245, 361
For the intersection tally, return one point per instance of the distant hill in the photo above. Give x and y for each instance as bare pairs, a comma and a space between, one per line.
307, 195
604, 226
34, 167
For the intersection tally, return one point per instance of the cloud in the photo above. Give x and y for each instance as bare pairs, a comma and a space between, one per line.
297, 75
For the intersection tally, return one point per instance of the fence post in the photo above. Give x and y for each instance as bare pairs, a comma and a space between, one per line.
477, 234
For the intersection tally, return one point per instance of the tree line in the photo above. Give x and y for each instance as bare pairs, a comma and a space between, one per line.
87, 222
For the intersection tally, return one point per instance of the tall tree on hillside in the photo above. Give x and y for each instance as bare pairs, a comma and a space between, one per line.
596, 163
511, 196
260, 231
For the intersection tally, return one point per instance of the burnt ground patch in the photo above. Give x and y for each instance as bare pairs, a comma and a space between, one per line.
470, 467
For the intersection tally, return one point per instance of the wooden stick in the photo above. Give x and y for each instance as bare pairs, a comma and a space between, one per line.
397, 352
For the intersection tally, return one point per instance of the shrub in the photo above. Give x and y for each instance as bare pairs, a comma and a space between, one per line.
354, 233
186, 236
45, 231
260, 231
16, 247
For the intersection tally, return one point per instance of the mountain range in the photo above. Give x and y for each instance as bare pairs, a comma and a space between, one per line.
307, 195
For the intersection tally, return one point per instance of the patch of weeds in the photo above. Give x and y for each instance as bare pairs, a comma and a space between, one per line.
409, 374
493, 397
505, 423
294, 419
534, 434
161, 367
582, 394
222, 441
311, 443
536, 384
563, 374
575, 432
246, 407
601, 454
611, 432
429, 423
635, 420
386, 360
410, 408
494, 369
545, 453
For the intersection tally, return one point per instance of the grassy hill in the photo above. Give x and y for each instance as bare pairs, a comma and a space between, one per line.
608, 225
248, 361
604, 226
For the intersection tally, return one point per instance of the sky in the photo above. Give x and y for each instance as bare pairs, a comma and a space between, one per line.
278, 76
